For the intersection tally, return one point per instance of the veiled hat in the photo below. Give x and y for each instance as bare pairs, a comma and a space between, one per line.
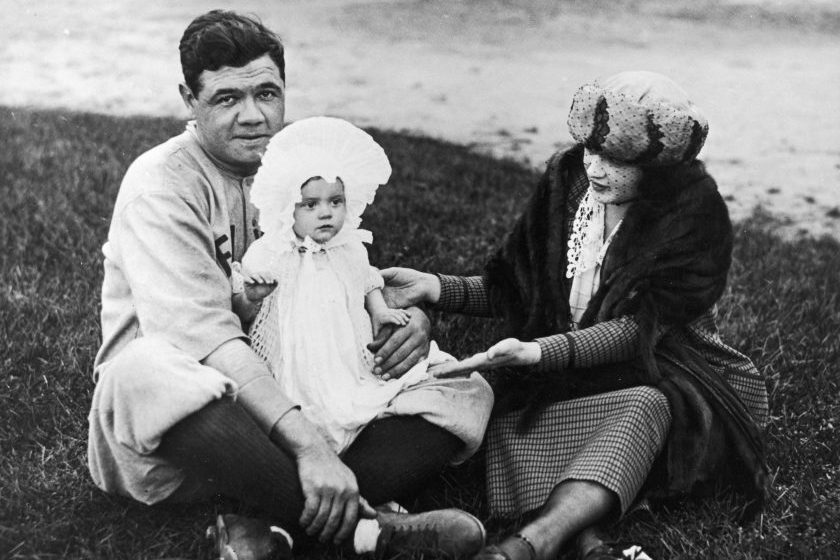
643, 118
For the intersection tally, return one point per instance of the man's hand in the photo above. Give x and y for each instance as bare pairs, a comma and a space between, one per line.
508, 352
399, 349
332, 502
405, 287
331, 493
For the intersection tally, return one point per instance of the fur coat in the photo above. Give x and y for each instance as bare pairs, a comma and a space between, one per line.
665, 267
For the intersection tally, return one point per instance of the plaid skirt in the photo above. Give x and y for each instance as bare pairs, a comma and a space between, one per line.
611, 438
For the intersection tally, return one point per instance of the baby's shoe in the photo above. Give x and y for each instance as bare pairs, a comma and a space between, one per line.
235, 537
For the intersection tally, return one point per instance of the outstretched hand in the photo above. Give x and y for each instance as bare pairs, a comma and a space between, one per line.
508, 352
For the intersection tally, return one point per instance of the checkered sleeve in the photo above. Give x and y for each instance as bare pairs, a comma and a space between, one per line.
463, 294
555, 352
612, 341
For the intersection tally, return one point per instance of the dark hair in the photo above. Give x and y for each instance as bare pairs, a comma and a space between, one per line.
225, 38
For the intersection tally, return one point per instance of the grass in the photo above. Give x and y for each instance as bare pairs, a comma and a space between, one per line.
444, 210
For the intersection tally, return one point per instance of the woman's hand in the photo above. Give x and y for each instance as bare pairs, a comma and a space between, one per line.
508, 352
399, 349
405, 287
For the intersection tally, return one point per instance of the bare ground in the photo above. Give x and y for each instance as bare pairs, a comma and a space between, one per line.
494, 74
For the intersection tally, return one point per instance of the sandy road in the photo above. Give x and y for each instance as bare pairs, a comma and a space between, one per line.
498, 75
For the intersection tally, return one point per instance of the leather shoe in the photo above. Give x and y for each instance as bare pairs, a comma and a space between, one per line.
235, 537
450, 533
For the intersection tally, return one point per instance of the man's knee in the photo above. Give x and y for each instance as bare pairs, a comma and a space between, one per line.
149, 387
139, 362
151, 365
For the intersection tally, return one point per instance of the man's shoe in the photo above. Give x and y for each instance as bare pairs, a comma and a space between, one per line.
235, 537
449, 533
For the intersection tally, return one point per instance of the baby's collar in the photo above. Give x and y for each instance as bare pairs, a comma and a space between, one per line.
346, 235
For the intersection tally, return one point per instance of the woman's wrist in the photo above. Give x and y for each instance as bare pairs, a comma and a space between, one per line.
432, 290
556, 352
532, 353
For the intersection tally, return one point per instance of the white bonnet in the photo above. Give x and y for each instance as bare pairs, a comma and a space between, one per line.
324, 147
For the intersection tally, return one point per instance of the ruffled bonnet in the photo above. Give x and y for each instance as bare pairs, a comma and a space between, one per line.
324, 147
638, 117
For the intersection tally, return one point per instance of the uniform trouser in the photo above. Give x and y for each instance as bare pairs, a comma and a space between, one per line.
223, 452
151, 387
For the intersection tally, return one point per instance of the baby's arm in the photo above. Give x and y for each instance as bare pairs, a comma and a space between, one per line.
244, 308
381, 314
246, 304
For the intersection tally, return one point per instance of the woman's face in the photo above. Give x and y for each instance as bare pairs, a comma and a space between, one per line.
611, 181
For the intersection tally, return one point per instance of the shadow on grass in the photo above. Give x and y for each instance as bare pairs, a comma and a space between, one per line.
445, 209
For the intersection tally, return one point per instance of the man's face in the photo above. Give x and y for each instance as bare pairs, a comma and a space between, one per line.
237, 111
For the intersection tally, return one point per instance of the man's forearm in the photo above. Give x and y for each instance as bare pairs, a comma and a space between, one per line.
259, 393
294, 433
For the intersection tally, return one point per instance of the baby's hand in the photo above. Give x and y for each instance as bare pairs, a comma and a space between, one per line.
398, 317
258, 285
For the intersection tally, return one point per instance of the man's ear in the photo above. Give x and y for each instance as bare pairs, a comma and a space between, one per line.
189, 98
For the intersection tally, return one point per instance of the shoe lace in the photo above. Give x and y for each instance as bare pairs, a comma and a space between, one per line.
411, 539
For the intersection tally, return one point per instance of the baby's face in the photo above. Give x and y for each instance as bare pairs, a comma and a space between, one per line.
320, 213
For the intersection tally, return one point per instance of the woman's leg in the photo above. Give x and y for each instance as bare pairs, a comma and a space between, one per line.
589, 457
571, 507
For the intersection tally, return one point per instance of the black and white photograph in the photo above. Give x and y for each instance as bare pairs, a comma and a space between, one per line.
419, 279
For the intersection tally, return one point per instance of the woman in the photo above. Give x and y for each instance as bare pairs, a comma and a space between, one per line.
610, 276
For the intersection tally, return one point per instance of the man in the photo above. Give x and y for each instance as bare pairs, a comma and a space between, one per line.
183, 410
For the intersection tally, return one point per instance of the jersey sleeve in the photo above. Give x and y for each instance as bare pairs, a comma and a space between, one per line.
168, 257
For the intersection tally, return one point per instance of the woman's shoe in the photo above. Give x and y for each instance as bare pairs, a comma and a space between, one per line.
235, 537
515, 547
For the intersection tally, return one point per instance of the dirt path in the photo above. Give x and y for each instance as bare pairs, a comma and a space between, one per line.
495, 74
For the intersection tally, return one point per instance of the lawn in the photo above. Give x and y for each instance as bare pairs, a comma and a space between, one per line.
444, 209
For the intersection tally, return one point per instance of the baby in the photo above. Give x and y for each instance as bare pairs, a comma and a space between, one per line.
314, 299
319, 217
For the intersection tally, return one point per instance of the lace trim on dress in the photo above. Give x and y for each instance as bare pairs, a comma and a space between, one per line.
587, 235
